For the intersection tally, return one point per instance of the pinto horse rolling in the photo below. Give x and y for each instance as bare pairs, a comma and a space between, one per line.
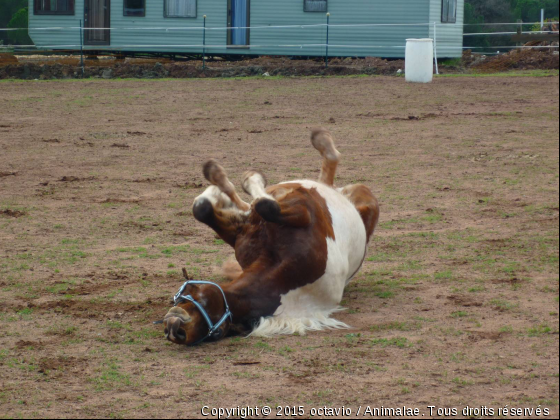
298, 244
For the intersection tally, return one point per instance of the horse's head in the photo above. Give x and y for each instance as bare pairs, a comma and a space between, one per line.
201, 313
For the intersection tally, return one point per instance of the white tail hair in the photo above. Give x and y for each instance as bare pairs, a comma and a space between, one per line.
283, 325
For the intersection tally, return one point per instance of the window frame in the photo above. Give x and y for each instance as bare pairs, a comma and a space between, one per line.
316, 11
133, 16
166, 16
71, 5
446, 18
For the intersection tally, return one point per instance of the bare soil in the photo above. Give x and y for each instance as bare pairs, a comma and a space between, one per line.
456, 305
56, 67
521, 59
107, 67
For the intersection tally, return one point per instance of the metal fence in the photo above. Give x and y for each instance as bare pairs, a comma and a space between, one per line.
324, 39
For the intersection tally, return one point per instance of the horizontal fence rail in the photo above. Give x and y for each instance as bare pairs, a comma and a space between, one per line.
300, 46
201, 32
317, 25
510, 33
507, 23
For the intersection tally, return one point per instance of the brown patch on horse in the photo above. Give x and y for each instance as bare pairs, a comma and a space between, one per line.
297, 206
366, 204
277, 257
323, 220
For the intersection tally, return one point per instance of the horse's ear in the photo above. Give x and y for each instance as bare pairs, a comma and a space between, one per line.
186, 275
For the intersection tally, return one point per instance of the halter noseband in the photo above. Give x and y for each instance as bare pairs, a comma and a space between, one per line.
212, 328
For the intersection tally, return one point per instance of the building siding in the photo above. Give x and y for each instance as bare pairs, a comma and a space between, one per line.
185, 34
64, 37
449, 36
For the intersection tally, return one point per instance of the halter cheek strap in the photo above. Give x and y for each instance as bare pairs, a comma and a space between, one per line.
212, 328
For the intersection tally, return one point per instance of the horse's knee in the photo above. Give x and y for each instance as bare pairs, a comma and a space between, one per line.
268, 209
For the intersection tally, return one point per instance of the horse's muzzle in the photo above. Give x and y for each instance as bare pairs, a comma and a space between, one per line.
175, 321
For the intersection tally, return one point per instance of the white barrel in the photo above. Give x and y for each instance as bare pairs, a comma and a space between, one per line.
419, 60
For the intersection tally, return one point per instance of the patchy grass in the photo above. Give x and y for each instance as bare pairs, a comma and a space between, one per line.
458, 293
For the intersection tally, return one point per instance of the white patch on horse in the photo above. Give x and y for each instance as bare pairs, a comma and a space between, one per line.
309, 308
212, 193
217, 198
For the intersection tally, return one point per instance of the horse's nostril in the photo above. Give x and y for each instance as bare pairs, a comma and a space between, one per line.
181, 335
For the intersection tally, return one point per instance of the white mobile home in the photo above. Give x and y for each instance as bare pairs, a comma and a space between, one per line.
248, 27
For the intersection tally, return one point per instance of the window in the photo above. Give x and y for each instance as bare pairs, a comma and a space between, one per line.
53, 7
180, 8
134, 8
449, 11
314, 5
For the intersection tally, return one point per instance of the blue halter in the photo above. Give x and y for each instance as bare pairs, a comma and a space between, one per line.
212, 328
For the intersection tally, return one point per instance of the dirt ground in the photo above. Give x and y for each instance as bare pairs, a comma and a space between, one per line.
107, 67
455, 306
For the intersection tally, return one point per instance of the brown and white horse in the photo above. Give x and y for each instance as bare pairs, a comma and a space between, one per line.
298, 244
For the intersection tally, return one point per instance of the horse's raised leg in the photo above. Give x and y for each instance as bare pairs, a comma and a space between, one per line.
272, 208
323, 141
254, 184
216, 175
215, 209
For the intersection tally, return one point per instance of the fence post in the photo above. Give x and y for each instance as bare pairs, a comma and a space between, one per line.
204, 44
542, 19
82, 47
435, 48
519, 31
327, 45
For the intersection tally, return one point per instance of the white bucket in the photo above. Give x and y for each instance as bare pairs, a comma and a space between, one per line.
419, 60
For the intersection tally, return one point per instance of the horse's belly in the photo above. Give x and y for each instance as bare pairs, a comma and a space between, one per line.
345, 255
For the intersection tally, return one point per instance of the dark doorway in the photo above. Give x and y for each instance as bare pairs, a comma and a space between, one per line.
239, 21
97, 14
